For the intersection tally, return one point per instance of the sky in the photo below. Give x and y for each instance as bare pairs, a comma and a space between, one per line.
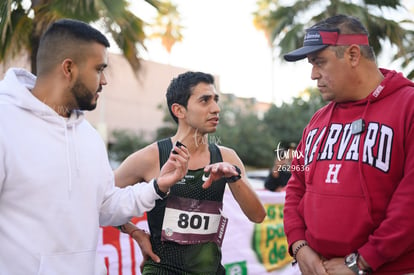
220, 38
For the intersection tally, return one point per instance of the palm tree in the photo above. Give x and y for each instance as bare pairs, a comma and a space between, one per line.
21, 27
286, 25
168, 26
263, 22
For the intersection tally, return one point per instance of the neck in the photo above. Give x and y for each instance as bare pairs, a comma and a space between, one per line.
364, 88
197, 145
192, 139
52, 97
376, 79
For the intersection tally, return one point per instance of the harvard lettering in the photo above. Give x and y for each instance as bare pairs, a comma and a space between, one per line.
376, 147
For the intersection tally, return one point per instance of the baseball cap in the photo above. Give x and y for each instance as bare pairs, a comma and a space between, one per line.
319, 39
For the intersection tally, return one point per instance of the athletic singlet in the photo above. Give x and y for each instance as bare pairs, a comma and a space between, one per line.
199, 258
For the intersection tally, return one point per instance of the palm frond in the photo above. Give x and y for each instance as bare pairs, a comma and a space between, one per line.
19, 31
15, 33
384, 3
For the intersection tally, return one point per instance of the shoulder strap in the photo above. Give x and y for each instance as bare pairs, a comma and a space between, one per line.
215, 154
164, 149
165, 146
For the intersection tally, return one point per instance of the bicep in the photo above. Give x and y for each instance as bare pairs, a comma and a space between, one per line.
137, 167
125, 174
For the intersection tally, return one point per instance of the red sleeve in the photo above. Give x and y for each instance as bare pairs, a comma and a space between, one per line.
294, 224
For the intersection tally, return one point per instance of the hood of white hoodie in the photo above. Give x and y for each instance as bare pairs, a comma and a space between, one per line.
16, 89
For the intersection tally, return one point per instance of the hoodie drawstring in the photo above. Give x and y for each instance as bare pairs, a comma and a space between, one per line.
75, 149
361, 172
68, 160
72, 154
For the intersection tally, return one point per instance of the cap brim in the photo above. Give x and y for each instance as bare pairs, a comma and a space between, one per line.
301, 53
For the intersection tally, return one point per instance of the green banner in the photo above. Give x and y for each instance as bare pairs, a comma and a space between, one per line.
269, 241
237, 268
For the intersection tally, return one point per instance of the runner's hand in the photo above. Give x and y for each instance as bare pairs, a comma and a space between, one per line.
174, 169
217, 171
143, 240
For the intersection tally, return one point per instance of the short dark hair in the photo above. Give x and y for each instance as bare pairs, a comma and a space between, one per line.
64, 39
181, 88
346, 25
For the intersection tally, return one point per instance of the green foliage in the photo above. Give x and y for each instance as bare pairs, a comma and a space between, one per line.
286, 123
125, 143
246, 134
170, 126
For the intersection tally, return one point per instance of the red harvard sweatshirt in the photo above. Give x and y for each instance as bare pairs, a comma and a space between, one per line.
352, 183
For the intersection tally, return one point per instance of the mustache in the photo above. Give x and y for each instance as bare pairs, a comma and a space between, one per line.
99, 89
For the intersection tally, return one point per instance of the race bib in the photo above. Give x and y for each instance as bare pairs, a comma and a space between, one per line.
190, 221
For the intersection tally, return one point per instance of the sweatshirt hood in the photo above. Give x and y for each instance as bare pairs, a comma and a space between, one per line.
391, 83
16, 88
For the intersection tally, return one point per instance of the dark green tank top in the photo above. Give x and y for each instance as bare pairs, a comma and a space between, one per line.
176, 258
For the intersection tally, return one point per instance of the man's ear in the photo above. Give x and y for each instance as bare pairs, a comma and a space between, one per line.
354, 53
178, 110
67, 68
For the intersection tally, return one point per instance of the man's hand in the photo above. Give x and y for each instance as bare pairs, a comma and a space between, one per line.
219, 170
336, 266
143, 240
174, 169
310, 263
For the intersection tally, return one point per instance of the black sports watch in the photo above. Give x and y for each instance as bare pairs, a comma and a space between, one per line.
351, 261
234, 178
163, 195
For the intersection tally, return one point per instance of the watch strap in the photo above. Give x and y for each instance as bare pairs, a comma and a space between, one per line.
163, 195
354, 266
234, 178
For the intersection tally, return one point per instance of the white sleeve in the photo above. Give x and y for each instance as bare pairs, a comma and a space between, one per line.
2, 167
121, 204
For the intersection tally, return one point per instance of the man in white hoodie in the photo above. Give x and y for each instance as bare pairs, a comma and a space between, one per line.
56, 185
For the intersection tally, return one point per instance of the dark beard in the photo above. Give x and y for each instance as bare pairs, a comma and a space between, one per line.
83, 96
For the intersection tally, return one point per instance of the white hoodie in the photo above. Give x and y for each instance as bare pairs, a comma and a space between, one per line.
56, 187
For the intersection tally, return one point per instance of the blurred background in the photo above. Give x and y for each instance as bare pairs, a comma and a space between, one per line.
264, 100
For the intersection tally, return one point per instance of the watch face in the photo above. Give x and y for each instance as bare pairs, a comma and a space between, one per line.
351, 258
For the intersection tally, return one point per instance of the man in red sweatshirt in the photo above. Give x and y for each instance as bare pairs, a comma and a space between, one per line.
350, 199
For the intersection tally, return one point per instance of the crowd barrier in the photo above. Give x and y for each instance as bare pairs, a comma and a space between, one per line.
248, 248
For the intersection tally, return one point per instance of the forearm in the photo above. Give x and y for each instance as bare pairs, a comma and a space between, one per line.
248, 200
132, 230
